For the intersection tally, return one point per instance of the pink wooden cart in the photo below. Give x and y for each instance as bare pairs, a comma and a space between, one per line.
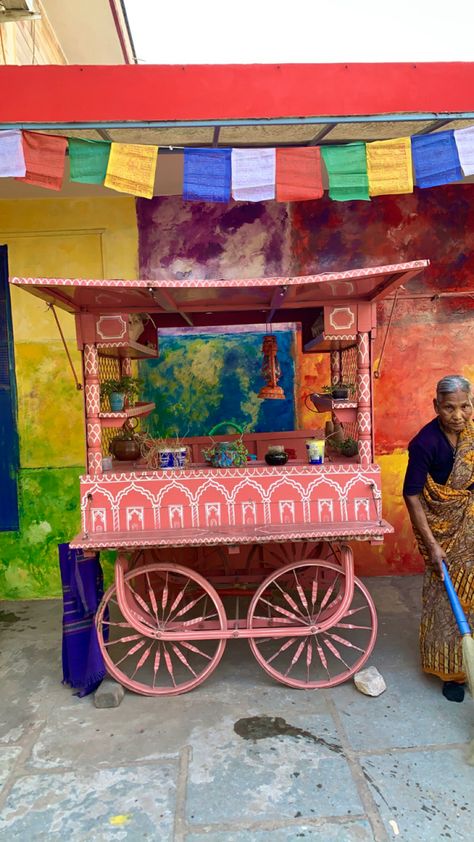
258, 552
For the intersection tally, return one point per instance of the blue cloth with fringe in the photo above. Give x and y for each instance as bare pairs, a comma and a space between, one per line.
83, 588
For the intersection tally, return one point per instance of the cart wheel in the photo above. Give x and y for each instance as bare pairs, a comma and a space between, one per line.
167, 597
318, 659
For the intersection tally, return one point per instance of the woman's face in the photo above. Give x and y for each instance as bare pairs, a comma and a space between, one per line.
454, 410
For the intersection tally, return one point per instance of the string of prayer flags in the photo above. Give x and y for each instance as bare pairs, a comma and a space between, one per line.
253, 174
88, 160
298, 174
12, 159
389, 167
347, 172
45, 159
464, 139
131, 169
436, 159
207, 175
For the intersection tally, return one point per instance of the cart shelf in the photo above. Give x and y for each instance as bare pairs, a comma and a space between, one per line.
344, 410
323, 344
129, 349
372, 531
116, 419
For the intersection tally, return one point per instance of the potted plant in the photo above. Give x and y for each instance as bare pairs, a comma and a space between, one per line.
119, 390
126, 445
339, 391
347, 447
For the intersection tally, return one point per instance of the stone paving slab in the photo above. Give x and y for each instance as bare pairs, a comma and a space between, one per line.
8, 756
276, 776
428, 794
124, 803
411, 712
71, 771
328, 831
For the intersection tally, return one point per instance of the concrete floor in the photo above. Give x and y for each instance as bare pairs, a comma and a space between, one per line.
388, 768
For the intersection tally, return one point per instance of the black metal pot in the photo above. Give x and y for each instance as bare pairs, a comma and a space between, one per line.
340, 394
276, 458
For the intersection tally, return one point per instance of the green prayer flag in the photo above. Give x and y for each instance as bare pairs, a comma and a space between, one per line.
347, 171
88, 160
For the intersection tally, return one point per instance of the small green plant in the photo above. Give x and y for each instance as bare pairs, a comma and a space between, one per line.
330, 388
129, 386
348, 447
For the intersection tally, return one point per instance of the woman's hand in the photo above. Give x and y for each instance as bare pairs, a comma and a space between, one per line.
436, 558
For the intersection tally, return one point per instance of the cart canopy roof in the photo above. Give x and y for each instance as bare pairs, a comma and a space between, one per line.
185, 297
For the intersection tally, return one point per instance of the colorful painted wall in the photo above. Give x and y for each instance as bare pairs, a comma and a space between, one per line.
53, 237
429, 336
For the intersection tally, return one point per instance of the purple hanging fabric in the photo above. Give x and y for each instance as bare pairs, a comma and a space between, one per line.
83, 588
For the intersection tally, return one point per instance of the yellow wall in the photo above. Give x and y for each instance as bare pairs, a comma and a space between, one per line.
92, 237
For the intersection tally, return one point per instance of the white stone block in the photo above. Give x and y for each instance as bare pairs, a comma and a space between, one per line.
370, 682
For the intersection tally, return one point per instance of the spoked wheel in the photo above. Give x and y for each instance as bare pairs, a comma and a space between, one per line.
164, 597
305, 595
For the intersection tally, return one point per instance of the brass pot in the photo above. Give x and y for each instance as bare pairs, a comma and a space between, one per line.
125, 450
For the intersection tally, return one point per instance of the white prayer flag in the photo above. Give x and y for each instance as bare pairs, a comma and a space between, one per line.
464, 139
253, 174
12, 159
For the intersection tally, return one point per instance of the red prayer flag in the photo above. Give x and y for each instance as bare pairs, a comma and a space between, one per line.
45, 158
298, 174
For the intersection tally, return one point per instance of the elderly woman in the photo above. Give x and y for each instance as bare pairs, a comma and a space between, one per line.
438, 492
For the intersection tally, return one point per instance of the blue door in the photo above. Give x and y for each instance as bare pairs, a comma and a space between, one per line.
9, 461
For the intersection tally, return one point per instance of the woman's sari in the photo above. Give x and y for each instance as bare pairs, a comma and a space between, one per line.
450, 513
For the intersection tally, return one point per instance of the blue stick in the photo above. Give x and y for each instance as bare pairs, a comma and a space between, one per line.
458, 612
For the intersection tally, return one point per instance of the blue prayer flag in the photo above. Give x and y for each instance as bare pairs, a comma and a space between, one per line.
436, 159
207, 175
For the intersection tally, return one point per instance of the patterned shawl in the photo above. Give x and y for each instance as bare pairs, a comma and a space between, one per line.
450, 513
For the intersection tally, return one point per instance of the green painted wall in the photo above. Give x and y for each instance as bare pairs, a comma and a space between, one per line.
53, 237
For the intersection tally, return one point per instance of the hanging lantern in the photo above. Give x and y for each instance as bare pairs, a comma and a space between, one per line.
271, 371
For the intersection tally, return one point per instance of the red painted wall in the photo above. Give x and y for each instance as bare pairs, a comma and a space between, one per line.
429, 337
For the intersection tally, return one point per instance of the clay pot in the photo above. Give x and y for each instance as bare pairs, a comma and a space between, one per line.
125, 450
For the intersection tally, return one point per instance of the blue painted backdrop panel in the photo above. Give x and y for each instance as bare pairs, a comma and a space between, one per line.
200, 380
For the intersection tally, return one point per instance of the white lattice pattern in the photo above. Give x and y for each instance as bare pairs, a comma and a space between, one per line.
365, 453
94, 459
363, 349
363, 384
91, 364
92, 398
93, 433
363, 421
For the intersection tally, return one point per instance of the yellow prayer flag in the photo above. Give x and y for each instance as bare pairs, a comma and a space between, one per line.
131, 169
389, 166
